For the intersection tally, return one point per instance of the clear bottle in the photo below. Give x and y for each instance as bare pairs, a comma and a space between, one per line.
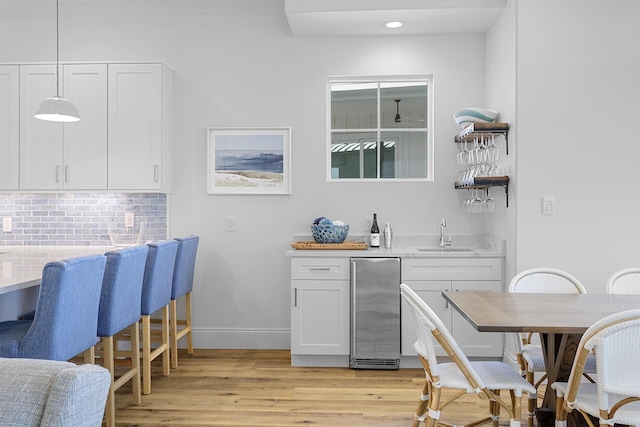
374, 237
388, 234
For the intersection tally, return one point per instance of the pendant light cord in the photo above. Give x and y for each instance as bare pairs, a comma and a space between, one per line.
57, 51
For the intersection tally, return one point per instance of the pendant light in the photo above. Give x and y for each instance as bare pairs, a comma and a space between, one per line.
57, 109
397, 119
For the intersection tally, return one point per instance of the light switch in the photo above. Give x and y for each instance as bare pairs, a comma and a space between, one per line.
548, 206
7, 225
230, 223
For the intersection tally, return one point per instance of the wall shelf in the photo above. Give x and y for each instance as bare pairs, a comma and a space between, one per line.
478, 129
485, 182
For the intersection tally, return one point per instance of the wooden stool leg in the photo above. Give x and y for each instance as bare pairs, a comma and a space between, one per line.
173, 333
189, 334
135, 362
146, 354
109, 364
90, 355
165, 341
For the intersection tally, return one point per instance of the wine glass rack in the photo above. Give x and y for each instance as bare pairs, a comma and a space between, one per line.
475, 130
485, 182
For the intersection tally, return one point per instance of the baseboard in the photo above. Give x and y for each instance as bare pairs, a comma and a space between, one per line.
240, 338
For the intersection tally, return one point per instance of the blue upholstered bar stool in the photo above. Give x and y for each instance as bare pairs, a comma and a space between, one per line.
65, 323
156, 296
182, 286
120, 304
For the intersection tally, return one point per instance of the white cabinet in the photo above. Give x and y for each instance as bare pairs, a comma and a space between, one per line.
9, 140
429, 277
64, 156
320, 306
139, 127
85, 142
122, 141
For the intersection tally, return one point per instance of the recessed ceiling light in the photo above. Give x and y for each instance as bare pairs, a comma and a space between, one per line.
393, 24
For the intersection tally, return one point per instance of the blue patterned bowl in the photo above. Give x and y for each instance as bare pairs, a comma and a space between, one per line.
466, 116
323, 233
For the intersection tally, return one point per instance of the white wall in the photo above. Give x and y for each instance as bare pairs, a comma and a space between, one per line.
235, 64
577, 101
501, 94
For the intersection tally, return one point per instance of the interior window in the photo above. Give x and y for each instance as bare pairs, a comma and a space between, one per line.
379, 128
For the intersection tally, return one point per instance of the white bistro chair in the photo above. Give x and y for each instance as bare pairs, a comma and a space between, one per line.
484, 378
615, 396
530, 356
625, 281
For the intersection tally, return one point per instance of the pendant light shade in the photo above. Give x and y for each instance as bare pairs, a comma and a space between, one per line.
56, 108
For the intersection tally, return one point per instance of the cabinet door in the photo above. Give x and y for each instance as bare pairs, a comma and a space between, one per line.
431, 292
320, 317
41, 154
9, 140
85, 142
135, 126
472, 342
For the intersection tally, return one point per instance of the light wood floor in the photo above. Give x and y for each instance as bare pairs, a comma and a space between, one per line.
260, 388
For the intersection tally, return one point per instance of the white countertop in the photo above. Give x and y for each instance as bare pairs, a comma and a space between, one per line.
413, 246
21, 266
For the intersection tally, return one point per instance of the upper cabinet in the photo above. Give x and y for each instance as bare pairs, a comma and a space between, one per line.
9, 141
122, 141
64, 156
139, 127
85, 142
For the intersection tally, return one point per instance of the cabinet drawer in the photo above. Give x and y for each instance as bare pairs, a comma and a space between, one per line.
320, 268
451, 269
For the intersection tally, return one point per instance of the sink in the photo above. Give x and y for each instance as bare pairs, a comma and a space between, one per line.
445, 250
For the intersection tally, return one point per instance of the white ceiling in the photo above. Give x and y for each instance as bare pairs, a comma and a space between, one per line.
305, 17
366, 17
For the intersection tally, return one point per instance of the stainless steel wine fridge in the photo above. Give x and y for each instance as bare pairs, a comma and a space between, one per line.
375, 313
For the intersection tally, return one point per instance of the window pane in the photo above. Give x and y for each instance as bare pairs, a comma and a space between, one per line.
403, 104
351, 154
410, 153
354, 105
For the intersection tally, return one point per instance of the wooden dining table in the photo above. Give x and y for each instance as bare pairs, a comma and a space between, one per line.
560, 319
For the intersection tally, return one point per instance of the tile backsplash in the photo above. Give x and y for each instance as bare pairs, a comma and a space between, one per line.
79, 219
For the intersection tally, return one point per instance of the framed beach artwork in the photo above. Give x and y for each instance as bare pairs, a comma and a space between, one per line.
248, 161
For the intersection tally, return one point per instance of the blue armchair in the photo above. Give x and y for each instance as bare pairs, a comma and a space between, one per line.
66, 317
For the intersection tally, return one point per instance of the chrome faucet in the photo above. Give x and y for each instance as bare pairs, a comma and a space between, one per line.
443, 241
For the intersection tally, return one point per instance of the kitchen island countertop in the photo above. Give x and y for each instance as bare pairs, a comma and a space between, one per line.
21, 266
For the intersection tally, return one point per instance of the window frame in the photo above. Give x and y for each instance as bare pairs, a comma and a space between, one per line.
379, 130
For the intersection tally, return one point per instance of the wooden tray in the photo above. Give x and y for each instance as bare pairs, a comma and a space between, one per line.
325, 246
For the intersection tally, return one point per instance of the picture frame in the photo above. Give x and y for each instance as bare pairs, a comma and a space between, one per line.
249, 160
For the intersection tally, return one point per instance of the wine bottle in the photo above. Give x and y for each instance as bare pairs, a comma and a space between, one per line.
375, 233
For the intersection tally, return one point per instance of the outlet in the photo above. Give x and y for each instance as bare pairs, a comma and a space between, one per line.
129, 219
230, 223
7, 225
